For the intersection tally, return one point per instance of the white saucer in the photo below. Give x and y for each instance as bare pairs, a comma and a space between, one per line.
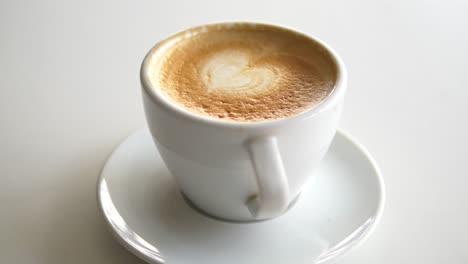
336, 211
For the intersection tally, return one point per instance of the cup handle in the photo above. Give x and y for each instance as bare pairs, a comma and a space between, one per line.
272, 198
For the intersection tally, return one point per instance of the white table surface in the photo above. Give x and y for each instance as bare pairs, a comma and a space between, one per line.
69, 92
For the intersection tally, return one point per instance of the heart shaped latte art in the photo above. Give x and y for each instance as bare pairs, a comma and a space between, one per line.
232, 72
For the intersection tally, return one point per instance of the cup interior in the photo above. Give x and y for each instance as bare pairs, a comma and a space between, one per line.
158, 97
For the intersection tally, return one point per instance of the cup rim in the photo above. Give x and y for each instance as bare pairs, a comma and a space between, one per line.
329, 101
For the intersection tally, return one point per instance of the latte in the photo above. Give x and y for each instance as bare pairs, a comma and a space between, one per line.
242, 72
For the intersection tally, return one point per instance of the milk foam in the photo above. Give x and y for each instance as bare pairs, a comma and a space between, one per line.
243, 73
230, 71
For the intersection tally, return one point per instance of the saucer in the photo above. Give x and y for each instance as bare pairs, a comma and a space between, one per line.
337, 210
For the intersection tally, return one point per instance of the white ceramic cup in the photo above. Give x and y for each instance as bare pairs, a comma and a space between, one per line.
241, 171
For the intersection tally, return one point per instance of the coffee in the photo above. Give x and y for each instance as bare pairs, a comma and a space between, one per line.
242, 72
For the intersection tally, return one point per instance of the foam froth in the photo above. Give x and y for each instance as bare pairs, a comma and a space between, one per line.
243, 72
231, 72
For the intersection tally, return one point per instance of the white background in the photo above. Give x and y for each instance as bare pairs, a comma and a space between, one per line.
69, 92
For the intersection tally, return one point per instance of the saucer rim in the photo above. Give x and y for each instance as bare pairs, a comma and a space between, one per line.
382, 196
149, 259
